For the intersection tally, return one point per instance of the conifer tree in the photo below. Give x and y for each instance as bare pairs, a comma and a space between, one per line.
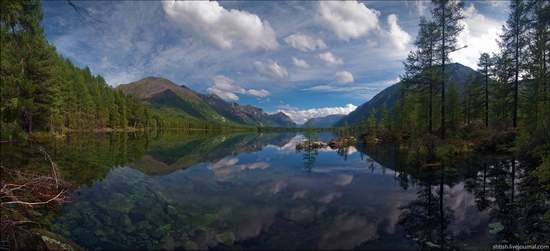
446, 13
472, 98
485, 63
513, 43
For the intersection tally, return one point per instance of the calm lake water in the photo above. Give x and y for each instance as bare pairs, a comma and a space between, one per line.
182, 190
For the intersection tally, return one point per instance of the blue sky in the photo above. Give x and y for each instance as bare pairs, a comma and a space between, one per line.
300, 57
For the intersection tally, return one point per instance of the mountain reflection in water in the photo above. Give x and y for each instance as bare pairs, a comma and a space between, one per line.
179, 190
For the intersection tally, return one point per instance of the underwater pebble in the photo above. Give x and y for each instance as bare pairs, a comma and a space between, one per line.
190, 245
171, 210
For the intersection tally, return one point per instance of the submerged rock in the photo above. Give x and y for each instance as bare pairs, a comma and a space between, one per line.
117, 205
125, 220
146, 215
190, 245
171, 210
158, 233
129, 229
87, 239
56, 242
227, 238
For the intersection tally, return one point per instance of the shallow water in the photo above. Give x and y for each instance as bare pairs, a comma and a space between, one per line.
255, 191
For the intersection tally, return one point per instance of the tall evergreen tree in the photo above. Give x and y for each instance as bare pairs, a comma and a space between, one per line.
485, 64
420, 69
472, 98
447, 13
513, 43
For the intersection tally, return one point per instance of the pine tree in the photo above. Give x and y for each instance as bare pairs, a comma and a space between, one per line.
472, 98
371, 123
536, 84
513, 43
485, 63
453, 105
420, 70
447, 14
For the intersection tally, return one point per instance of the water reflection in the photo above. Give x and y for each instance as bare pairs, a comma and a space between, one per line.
426, 219
254, 191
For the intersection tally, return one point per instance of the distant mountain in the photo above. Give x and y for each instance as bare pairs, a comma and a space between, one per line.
247, 114
166, 96
282, 120
456, 72
326, 121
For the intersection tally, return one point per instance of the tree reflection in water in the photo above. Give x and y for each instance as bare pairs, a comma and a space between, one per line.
426, 219
309, 156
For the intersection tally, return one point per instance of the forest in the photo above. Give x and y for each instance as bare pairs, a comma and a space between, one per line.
507, 99
504, 105
44, 94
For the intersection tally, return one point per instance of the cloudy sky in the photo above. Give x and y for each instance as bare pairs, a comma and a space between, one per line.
300, 57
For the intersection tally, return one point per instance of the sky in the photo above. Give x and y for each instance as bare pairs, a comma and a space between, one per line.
303, 58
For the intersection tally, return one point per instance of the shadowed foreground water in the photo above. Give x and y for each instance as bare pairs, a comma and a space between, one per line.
255, 191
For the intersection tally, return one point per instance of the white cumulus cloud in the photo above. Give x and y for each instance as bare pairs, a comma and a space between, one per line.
348, 19
226, 88
398, 36
344, 77
300, 63
480, 34
220, 26
271, 70
226, 84
331, 59
258, 93
304, 42
300, 116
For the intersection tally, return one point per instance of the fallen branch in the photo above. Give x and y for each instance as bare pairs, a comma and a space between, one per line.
26, 190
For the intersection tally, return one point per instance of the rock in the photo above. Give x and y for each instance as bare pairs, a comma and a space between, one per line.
190, 245
311, 145
143, 235
227, 238
158, 233
87, 239
162, 197
125, 220
342, 142
124, 205
72, 213
145, 215
129, 229
167, 227
171, 210
209, 218
142, 224
56, 242
168, 243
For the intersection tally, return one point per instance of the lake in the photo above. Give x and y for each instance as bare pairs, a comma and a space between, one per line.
202, 190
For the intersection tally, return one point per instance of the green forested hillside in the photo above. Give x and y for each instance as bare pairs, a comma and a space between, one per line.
165, 98
42, 91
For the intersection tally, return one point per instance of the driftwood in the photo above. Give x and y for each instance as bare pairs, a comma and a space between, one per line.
21, 191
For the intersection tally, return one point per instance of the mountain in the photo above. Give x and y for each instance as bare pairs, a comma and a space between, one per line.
166, 96
247, 114
324, 121
456, 72
282, 120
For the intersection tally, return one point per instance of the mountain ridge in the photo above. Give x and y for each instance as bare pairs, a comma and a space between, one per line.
456, 72
164, 95
325, 121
